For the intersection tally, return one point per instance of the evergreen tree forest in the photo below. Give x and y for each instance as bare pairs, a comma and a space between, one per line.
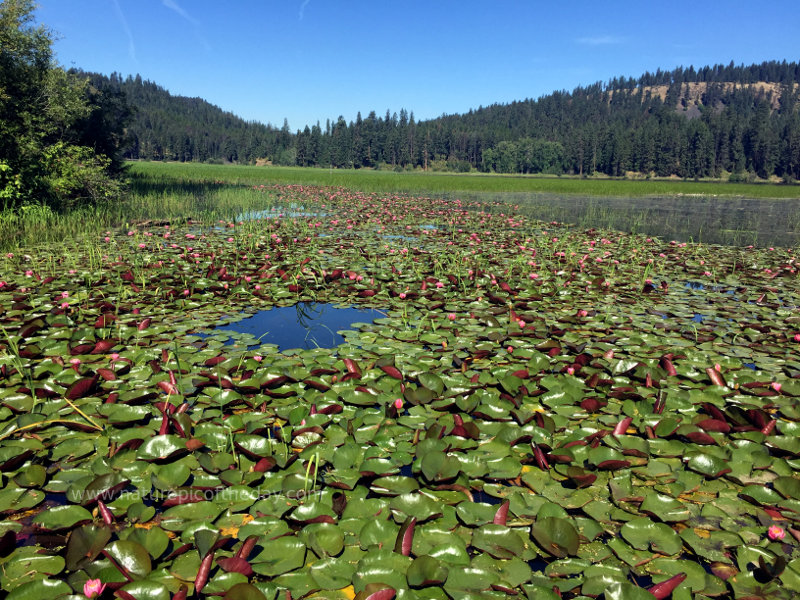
686, 122
177, 128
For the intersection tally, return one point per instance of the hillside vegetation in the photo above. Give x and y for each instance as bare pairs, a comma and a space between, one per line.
687, 123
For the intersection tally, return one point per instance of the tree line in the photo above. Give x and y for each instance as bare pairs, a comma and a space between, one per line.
661, 124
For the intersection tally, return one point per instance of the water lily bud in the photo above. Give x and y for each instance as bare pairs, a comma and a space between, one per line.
398, 403
452, 316
776, 386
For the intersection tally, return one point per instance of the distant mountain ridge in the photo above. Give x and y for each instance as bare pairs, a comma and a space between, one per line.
686, 122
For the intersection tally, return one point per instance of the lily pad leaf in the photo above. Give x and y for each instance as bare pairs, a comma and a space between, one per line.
425, 571
499, 541
162, 447
708, 465
147, 590
643, 533
103, 488
787, 486
244, 591
131, 556
432, 382
62, 517
84, 544
40, 588
623, 590
556, 536
279, 556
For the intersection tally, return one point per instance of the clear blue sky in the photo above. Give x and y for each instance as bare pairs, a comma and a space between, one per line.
309, 60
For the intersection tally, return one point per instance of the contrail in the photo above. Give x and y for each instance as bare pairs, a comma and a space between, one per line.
124, 22
171, 4
303, 8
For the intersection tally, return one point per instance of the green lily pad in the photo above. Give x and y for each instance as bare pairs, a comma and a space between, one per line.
279, 556
62, 517
556, 536
425, 571
643, 533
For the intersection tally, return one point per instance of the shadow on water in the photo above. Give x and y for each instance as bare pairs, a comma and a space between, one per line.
304, 325
707, 219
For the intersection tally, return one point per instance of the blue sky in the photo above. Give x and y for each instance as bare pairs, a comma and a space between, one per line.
310, 60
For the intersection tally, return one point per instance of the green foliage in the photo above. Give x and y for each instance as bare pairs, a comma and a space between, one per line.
76, 175
10, 185
49, 150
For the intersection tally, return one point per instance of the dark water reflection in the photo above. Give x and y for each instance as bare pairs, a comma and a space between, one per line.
707, 219
304, 325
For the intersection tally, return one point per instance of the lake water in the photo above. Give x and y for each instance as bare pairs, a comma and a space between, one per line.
304, 325
711, 220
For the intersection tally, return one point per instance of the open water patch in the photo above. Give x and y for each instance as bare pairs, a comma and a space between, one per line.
305, 325
291, 211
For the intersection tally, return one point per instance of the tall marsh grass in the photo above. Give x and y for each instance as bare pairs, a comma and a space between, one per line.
176, 192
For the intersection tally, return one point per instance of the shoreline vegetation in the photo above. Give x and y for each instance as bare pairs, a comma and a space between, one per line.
177, 192
428, 182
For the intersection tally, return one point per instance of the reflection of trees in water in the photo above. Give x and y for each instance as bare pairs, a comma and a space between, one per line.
307, 313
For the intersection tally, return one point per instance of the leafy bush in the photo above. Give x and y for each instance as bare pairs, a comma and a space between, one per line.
10, 186
75, 175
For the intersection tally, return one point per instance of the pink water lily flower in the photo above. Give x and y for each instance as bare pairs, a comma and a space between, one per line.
776, 532
93, 588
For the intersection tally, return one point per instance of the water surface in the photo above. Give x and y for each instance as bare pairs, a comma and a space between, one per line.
304, 325
709, 219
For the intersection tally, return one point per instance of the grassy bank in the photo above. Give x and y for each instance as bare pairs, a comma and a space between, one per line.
442, 183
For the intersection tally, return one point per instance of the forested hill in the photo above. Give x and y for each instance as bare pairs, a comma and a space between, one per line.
686, 122
167, 127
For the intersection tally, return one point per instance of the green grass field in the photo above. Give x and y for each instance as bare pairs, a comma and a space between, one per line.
444, 183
